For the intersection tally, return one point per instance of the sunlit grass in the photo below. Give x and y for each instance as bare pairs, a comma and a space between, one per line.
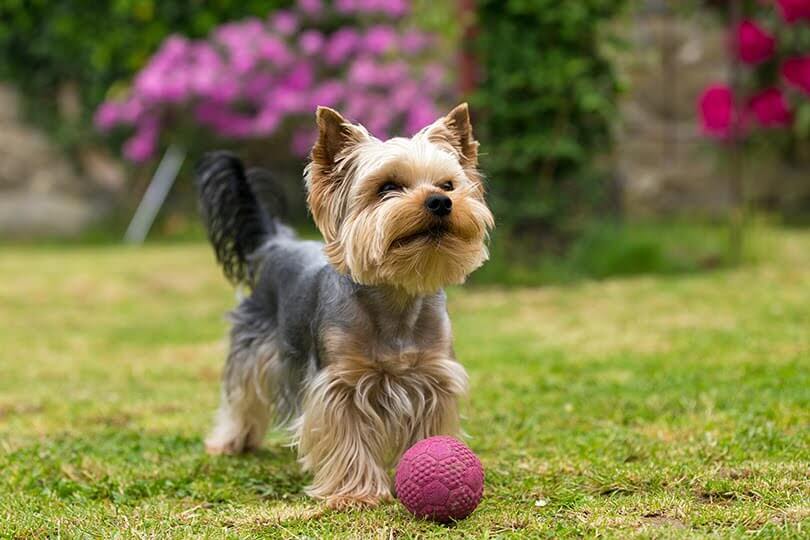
653, 406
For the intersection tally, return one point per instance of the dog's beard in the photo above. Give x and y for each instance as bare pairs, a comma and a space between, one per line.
397, 243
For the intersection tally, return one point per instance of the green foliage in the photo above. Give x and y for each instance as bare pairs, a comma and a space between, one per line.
97, 45
547, 100
603, 250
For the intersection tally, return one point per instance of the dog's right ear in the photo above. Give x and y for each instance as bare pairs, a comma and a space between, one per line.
336, 137
335, 134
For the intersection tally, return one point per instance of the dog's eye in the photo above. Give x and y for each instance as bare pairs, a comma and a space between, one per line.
389, 187
447, 186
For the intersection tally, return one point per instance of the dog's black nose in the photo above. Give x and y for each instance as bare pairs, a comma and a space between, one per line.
438, 204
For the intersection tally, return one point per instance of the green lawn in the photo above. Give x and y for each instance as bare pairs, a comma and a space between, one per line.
674, 406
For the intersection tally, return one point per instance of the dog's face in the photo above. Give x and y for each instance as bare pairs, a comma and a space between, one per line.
404, 212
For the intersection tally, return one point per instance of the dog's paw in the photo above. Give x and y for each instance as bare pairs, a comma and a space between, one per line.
218, 447
346, 502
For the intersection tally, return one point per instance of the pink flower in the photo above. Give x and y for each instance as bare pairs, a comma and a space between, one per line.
716, 106
226, 90
363, 71
328, 94
176, 87
753, 44
378, 118
273, 49
794, 10
149, 82
394, 8
300, 77
208, 112
173, 49
421, 114
257, 86
380, 39
393, 74
311, 42
404, 94
345, 6
357, 104
796, 71
234, 125
341, 45
284, 22
267, 120
142, 145
107, 116
203, 80
770, 108
435, 77
290, 100
312, 8
414, 41
243, 59
138, 149
131, 110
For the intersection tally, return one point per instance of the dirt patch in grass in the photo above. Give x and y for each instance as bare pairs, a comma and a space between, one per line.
659, 520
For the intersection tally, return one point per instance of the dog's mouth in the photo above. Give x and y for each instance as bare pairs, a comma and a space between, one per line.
431, 234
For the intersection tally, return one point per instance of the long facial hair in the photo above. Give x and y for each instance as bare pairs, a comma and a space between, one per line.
389, 238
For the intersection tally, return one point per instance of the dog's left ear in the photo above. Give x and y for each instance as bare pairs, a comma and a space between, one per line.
455, 131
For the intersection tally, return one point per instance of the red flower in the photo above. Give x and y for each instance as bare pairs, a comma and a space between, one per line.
794, 10
770, 108
716, 106
796, 71
753, 44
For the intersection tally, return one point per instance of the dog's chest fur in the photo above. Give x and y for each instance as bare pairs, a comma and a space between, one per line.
395, 363
386, 338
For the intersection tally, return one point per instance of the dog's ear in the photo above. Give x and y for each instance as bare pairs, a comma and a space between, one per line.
455, 131
336, 137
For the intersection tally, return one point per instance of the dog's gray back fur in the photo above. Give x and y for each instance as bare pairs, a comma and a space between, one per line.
296, 296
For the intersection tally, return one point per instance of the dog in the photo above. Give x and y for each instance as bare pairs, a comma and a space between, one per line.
347, 343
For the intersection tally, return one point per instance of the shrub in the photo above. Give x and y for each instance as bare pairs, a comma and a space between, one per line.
547, 99
97, 44
257, 78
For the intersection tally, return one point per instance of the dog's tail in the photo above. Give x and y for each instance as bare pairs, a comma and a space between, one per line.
236, 217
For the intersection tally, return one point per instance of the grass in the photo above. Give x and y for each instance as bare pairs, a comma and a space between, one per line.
657, 406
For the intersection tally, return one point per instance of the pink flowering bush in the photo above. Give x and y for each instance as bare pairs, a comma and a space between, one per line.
794, 11
255, 78
771, 44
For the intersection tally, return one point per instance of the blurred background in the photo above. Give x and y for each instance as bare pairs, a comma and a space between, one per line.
618, 137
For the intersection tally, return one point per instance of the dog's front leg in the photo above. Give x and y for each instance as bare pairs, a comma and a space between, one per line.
342, 443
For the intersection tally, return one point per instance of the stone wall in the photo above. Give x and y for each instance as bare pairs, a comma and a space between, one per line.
41, 193
666, 166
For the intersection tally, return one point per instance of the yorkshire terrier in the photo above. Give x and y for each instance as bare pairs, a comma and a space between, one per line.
347, 343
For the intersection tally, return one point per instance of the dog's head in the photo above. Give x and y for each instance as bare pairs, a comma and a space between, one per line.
403, 212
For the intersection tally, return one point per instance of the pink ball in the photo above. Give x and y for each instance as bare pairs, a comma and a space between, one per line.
440, 478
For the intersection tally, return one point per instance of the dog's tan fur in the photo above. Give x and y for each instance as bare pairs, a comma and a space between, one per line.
366, 407
363, 232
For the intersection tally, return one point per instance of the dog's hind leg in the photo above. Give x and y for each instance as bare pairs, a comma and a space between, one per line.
249, 383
